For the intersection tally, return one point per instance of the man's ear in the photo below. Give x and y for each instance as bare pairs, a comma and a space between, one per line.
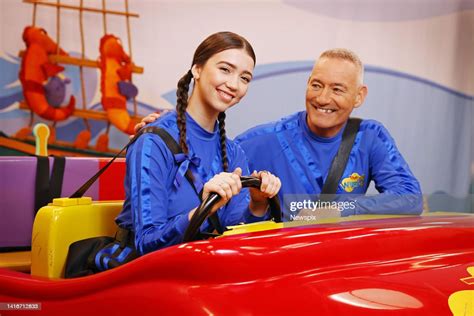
196, 71
361, 96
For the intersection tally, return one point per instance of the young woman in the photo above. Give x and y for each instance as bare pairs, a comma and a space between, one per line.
159, 199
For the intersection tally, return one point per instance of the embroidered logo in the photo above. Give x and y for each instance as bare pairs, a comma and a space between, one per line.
352, 182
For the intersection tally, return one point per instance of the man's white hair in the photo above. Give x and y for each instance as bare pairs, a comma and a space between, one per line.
346, 54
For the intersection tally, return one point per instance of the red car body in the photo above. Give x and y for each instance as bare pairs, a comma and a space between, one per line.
394, 266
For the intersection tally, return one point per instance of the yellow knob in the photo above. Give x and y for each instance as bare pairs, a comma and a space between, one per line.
41, 132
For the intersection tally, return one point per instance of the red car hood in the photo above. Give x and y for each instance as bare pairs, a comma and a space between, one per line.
409, 266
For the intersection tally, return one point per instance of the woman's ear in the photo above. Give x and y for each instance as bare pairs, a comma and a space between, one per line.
196, 71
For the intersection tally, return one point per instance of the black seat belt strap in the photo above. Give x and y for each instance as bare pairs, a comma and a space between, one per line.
42, 194
339, 162
80, 192
57, 176
47, 188
172, 145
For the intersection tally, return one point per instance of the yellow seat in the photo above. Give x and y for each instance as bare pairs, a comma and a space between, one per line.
63, 222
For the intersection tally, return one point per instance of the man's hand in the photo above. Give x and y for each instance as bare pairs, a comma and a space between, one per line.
147, 119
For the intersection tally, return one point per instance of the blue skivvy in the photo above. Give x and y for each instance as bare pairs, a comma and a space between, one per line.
158, 197
301, 159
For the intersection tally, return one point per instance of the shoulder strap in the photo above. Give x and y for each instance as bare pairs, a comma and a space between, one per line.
172, 145
339, 162
80, 192
175, 148
57, 176
167, 138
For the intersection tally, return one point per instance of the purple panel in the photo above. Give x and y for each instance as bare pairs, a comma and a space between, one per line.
17, 187
78, 171
17, 193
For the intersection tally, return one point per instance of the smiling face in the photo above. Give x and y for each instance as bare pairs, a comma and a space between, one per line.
333, 91
222, 81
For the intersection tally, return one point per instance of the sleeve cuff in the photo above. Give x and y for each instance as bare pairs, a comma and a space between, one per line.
250, 218
182, 223
347, 212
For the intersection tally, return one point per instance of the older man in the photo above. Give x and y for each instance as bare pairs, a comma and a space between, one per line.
300, 148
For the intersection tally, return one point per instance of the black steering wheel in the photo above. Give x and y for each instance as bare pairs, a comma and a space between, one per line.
202, 212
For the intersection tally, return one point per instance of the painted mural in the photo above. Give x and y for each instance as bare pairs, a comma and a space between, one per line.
418, 57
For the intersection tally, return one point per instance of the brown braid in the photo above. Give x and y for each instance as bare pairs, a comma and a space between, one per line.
225, 161
181, 105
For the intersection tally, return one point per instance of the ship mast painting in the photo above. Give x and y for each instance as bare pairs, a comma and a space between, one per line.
44, 82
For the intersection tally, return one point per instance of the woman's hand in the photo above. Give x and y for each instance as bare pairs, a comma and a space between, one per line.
225, 184
270, 187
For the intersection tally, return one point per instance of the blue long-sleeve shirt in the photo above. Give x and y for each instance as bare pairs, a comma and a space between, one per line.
289, 149
157, 200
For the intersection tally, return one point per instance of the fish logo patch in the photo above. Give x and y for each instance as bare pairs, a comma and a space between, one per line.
352, 182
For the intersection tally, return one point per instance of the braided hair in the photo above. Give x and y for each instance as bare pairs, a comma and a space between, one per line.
181, 105
225, 161
212, 45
